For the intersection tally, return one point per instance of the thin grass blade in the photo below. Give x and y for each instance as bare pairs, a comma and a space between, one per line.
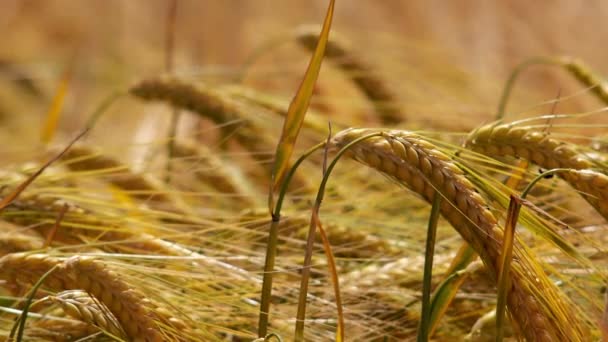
297, 110
447, 289
8, 199
505, 264
54, 112
331, 263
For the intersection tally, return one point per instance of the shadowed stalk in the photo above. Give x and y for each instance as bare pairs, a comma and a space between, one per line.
20, 322
271, 246
169, 62
56, 226
291, 129
604, 319
301, 314
423, 331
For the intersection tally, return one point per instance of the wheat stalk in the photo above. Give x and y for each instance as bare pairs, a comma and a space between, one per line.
140, 318
539, 148
533, 300
348, 241
363, 75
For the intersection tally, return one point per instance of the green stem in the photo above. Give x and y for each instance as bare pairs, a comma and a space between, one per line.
105, 104
423, 332
538, 178
21, 320
301, 314
271, 246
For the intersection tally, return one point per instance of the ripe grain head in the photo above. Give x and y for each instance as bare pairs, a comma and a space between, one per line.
543, 150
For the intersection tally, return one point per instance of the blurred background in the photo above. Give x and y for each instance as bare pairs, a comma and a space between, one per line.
446, 61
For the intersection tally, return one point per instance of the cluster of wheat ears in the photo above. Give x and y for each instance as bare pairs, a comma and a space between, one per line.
92, 249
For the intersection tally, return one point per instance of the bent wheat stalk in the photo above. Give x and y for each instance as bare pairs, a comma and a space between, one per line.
576, 67
539, 148
535, 303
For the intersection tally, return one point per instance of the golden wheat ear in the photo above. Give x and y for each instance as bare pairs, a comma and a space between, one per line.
83, 307
536, 304
541, 149
205, 102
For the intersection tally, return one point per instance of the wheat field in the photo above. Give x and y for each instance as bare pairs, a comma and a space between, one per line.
139, 143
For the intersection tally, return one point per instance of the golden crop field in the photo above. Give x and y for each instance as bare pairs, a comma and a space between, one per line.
307, 170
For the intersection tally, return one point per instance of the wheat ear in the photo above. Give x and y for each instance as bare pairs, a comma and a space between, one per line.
140, 318
81, 306
585, 75
206, 103
79, 223
14, 240
220, 109
363, 75
539, 148
533, 300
